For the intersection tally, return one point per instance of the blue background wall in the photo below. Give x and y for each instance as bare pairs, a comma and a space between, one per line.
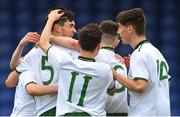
17, 17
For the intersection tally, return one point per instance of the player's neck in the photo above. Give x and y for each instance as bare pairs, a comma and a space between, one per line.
106, 45
136, 40
54, 33
87, 54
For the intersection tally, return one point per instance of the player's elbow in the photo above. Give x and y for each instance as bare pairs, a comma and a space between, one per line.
14, 63
31, 90
111, 92
140, 85
9, 84
12, 66
140, 88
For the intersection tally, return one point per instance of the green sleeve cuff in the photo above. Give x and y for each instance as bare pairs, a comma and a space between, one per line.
140, 78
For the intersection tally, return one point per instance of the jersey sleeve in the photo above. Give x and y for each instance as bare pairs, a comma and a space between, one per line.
23, 66
98, 58
56, 56
121, 69
28, 77
138, 67
73, 53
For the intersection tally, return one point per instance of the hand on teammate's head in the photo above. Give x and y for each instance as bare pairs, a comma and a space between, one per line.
55, 15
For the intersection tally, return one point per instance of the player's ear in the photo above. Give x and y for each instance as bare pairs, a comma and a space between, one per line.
130, 28
57, 28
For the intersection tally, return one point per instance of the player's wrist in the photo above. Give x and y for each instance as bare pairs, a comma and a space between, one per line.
51, 20
21, 45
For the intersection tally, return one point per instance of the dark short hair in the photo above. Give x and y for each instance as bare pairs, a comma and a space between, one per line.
134, 17
68, 15
109, 27
89, 37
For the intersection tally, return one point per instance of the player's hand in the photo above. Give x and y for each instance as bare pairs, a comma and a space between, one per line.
127, 60
30, 37
55, 15
119, 58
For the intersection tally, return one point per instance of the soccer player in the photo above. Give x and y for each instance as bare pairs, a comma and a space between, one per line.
24, 103
83, 83
148, 73
117, 104
37, 61
26, 89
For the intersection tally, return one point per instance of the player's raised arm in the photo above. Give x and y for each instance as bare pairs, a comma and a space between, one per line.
46, 33
30, 37
68, 42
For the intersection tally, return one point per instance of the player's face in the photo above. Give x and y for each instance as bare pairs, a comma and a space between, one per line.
124, 33
68, 29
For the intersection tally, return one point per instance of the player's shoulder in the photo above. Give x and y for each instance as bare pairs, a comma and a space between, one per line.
145, 48
55, 48
58, 53
104, 70
35, 50
141, 51
105, 52
103, 67
26, 75
105, 56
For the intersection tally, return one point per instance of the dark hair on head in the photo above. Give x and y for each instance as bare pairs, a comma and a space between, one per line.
68, 15
109, 27
134, 17
89, 37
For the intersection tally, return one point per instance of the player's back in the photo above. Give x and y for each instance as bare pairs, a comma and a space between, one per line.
84, 87
118, 102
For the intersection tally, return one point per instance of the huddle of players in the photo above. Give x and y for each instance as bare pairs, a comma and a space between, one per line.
70, 77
